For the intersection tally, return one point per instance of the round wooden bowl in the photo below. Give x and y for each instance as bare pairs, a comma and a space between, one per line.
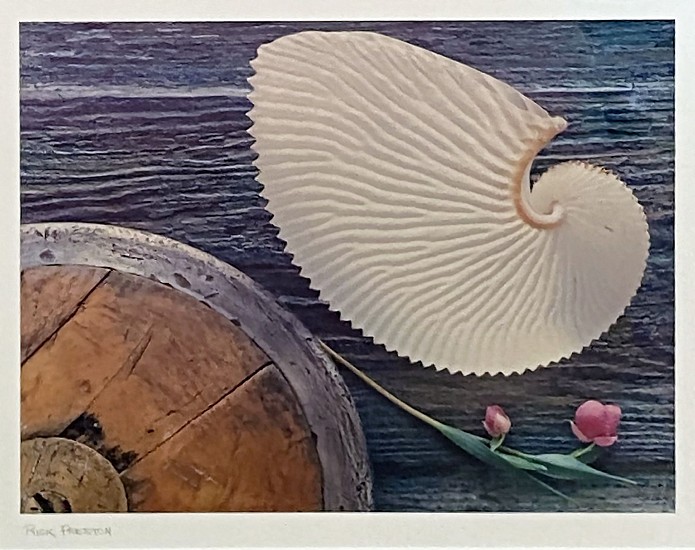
157, 378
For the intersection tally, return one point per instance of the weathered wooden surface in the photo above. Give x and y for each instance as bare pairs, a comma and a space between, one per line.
144, 125
192, 414
253, 445
59, 475
55, 299
205, 285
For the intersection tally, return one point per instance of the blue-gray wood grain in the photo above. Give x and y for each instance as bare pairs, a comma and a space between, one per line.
144, 125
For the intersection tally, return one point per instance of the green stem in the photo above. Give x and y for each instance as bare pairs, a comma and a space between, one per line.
412, 410
496, 442
582, 450
372, 384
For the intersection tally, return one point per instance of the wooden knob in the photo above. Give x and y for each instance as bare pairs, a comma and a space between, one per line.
61, 475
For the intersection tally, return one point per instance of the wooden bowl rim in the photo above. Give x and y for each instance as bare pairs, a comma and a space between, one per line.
340, 441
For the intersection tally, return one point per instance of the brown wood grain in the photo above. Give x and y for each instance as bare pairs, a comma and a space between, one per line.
250, 451
174, 395
63, 377
49, 297
190, 358
138, 354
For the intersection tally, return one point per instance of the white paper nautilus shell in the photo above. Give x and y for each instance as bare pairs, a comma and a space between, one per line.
399, 180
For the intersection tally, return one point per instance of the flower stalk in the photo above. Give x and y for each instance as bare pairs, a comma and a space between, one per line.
583, 450
493, 452
372, 384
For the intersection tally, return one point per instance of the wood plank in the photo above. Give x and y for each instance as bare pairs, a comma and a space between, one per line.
49, 297
136, 341
191, 358
60, 379
251, 451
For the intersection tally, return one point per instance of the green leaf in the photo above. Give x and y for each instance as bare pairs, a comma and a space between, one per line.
476, 446
473, 445
523, 464
568, 467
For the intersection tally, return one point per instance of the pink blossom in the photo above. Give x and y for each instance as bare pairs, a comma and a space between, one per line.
597, 423
496, 422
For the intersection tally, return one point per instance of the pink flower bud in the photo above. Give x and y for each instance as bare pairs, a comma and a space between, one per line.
496, 422
597, 423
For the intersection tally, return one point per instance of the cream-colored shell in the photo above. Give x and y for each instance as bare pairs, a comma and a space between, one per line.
399, 180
